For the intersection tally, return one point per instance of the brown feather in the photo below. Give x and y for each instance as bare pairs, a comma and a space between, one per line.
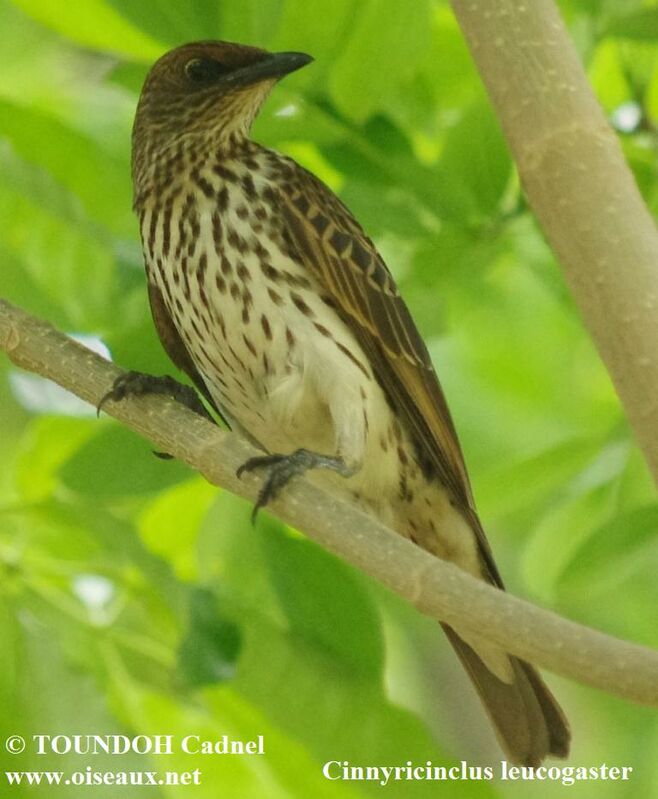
528, 721
175, 347
370, 302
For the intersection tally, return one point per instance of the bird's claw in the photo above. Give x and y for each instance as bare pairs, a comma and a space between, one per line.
138, 384
282, 468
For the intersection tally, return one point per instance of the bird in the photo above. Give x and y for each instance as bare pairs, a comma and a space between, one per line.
267, 292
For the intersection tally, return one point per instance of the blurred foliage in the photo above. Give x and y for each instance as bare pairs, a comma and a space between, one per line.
134, 597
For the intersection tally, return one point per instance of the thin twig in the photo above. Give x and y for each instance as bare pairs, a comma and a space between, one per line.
435, 587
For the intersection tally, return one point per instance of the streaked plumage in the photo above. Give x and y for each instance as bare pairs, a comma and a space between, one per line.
268, 293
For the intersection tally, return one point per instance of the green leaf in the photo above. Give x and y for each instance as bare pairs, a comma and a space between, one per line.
170, 524
37, 185
367, 76
303, 121
449, 73
319, 34
326, 602
311, 659
286, 772
393, 115
317, 701
99, 469
641, 24
54, 246
475, 166
250, 21
571, 521
608, 76
211, 644
12, 653
529, 483
95, 24
130, 76
47, 446
70, 701
173, 23
614, 553
295, 583
652, 95
100, 181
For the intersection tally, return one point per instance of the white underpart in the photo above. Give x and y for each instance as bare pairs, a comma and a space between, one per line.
312, 396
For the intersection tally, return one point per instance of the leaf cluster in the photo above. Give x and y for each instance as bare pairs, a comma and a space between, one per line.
136, 598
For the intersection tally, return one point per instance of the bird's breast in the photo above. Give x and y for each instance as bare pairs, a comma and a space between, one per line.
260, 328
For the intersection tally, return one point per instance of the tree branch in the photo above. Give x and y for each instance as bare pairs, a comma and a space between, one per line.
580, 188
435, 587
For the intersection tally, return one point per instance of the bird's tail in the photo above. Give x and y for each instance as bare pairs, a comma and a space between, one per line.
528, 721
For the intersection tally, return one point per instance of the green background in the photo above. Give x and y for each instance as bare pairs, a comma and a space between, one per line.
134, 597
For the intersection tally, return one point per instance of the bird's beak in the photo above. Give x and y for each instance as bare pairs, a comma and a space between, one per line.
273, 66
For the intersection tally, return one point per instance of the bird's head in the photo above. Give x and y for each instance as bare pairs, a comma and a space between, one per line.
209, 90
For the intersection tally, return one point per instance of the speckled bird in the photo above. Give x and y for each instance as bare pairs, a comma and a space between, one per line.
268, 293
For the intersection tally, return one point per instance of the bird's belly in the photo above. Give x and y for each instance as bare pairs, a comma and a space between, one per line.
262, 337
258, 325
278, 359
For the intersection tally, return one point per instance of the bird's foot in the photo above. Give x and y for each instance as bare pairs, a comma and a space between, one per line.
282, 468
138, 384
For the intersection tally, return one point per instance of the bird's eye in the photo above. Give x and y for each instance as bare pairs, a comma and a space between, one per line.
205, 70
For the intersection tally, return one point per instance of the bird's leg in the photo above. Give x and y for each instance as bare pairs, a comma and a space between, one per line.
282, 468
138, 384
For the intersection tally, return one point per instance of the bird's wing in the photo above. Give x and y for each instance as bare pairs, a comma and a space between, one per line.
175, 347
335, 248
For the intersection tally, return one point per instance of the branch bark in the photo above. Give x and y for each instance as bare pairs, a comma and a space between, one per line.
580, 188
435, 587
